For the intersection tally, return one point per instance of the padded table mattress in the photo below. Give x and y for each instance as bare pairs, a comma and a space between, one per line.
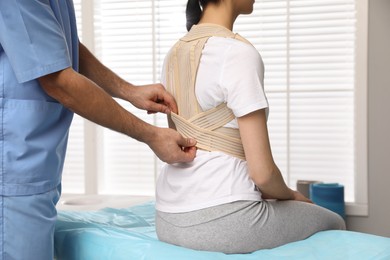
129, 233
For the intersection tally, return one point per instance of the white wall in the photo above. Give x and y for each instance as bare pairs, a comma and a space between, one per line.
378, 221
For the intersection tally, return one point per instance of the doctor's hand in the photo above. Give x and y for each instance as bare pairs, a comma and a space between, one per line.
153, 98
172, 147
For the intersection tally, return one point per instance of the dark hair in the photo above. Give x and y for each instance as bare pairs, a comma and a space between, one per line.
194, 11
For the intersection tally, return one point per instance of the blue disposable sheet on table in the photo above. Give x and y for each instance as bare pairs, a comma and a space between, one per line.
129, 233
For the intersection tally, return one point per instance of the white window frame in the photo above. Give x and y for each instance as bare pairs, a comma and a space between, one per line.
360, 206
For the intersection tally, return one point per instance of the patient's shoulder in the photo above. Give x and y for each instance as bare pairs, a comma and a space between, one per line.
232, 45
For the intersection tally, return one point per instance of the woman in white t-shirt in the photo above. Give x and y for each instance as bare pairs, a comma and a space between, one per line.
220, 202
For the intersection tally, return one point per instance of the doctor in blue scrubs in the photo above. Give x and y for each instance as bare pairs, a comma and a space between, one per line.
46, 75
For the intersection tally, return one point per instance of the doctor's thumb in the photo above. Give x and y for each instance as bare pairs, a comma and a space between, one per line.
187, 142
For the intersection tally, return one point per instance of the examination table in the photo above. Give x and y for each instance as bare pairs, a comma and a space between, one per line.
129, 233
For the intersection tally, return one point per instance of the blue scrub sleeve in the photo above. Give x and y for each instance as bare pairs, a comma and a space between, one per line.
32, 38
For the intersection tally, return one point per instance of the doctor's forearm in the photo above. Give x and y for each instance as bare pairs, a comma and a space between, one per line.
85, 98
93, 69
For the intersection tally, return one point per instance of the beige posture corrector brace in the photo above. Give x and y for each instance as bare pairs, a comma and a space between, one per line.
181, 69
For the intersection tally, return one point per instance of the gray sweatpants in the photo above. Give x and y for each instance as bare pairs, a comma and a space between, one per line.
245, 226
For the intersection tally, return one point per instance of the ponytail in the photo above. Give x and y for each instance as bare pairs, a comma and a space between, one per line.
194, 10
193, 13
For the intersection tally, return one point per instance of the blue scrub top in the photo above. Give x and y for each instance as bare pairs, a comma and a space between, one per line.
37, 37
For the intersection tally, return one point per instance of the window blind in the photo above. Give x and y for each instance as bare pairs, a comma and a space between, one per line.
135, 36
309, 50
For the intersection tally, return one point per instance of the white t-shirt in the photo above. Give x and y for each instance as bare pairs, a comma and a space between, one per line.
230, 71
